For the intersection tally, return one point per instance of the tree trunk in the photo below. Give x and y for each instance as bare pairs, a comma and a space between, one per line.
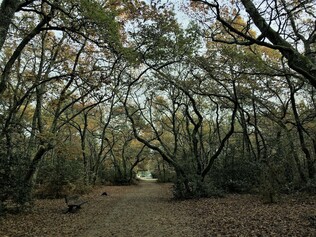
34, 163
297, 61
300, 130
17, 52
7, 11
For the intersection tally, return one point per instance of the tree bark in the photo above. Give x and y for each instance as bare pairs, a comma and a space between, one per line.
7, 11
36, 159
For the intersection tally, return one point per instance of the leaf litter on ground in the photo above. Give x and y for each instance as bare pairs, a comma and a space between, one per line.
148, 209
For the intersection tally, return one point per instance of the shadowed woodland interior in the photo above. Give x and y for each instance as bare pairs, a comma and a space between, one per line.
215, 98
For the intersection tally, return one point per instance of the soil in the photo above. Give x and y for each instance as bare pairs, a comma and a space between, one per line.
147, 209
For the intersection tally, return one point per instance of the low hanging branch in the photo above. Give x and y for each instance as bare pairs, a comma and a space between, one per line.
18, 50
304, 64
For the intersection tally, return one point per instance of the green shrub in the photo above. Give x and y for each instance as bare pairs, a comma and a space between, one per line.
309, 187
15, 194
59, 178
197, 188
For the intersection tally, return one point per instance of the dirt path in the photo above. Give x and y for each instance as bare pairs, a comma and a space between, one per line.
145, 210
148, 209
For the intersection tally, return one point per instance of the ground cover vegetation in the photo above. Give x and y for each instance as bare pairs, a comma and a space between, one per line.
221, 101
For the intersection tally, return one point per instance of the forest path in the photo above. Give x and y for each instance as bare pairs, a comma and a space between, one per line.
142, 210
147, 209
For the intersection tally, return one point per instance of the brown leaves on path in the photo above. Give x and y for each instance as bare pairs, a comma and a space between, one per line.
149, 210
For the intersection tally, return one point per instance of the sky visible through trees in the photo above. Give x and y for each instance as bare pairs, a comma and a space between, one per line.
214, 96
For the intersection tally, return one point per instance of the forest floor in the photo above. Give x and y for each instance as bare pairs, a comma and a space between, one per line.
148, 209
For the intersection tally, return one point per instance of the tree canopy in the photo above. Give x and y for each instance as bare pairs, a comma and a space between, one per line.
93, 90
